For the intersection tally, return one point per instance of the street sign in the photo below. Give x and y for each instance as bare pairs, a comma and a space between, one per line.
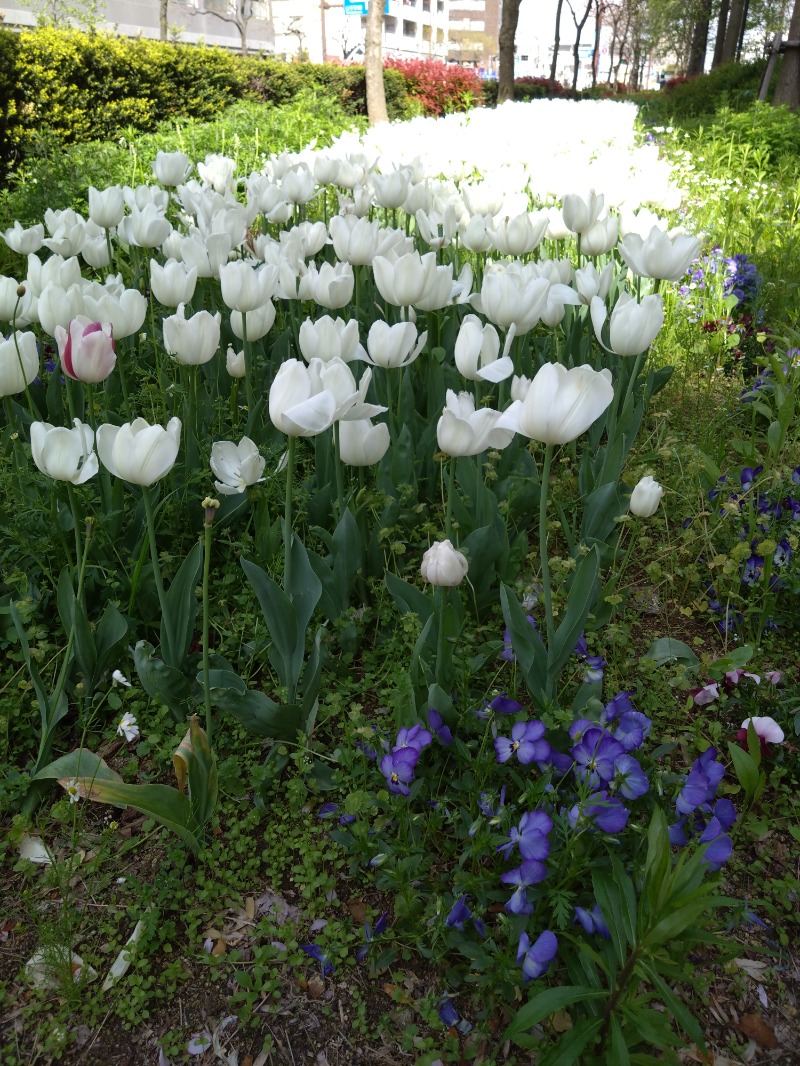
361, 8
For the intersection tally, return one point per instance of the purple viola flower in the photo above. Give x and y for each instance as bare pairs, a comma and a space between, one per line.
398, 769
459, 914
796, 475
593, 668
594, 756
526, 874
486, 803
531, 836
592, 921
370, 752
632, 730
748, 476
417, 736
519, 903
783, 553
527, 742
503, 704
620, 704
718, 845
536, 958
508, 650
316, 952
448, 1013
561, 763
369, 935
437, 726
630, 780
700, 786
607, 813
753, 569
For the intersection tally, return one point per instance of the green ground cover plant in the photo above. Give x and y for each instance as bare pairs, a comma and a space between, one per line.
399, 599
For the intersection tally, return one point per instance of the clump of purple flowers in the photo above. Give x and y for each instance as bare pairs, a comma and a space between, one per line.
399, 765
701, 815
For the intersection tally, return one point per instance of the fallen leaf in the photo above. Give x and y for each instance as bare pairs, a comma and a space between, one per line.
752, 967
316, 986
212, 933
250, 911
755, 1028
561, 1021
358, 909
120, 965
220, 947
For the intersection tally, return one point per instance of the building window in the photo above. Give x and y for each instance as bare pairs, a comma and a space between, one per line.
426, 34
426, 5
440, 36
439, 7
409, 29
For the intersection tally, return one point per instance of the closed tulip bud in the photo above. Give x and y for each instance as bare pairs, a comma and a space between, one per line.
645, 498
464, 431
192, 341
246, 287
217, 171
259, 322
24, 241
106, 207
138, 452
519, 235
125, 310
438, 288
330, 286
56, 270
57, 307
659, 255
86, 350
560, 404
64, 454
477, 236
391, 189
580, 213
633, 326
298, 185
393, 346
477, 352
361, 443
600, 237
172, 283
67, 231
145, 228
236, 465
401, 281
234, 363
444, 566
512, 293
589, 283
171, 168
330, 338
206, 256
15, 302
298, 404
13, 376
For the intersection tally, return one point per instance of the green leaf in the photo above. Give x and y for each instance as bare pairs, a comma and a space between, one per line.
99, 783
572, 1043
525, 641
110, 635
580, 600
163, 682
408, 598
745, 766
74, 620
281, 618
611, 905
774, 436
258, 713
546, 1003
181, 608
619, 1055
312, 680
203, 784
305, 591
667, 649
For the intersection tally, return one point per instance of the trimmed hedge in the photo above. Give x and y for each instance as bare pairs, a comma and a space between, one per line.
90, 86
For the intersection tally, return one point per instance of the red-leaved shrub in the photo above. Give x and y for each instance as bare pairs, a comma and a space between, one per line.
439, 88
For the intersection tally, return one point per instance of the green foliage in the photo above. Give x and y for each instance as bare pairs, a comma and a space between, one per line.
733, 85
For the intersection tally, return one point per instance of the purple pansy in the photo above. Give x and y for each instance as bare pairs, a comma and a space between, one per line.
526, 742
535, 958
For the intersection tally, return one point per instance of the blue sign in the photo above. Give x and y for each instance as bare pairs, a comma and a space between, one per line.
361, 8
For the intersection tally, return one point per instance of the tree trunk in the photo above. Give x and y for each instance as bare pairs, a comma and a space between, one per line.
722, 23
556, 43
506, 39
576, 46
373, 64
730, 45
599, 11
787, 91
163, 31
697, 49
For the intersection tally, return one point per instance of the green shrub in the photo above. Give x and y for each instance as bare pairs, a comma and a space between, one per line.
734, 85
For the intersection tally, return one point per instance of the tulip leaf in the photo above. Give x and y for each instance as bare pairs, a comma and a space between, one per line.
525, 642
582, 594
408, 598
111, 633
603, 506
329, 598
304, 592
312, 677
181, 608
49, 716
257, 712
668, 649
281, 618
547, 1003
163, 682
73, 618
203, 787
348, 556
98, 782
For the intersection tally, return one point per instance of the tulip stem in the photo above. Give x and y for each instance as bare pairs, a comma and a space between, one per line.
31, 408
287, 519
73, 506
440, 594
13, 434
451, 489
166, 643
206, 613
247, 351
637, 366
339, 473
545, 561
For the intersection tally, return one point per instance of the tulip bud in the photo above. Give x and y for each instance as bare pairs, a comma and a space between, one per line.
209, 510
443, 565
86, 351
234, 363
645, 498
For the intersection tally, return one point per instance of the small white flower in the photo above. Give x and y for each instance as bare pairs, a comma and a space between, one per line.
128, 727
120, 679
73, 790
